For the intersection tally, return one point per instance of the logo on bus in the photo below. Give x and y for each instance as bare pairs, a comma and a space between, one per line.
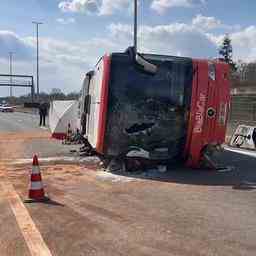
200, 111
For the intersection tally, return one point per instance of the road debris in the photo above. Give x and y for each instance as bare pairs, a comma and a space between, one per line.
108, 176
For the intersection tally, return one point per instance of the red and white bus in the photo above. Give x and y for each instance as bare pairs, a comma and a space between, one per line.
162, 107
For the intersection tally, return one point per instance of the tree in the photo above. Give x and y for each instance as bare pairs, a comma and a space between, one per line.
241, 70
226, 51
56, 94
250, 72
246, 71
56, 91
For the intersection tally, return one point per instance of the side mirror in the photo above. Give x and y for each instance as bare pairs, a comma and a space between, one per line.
148, 67
141, 61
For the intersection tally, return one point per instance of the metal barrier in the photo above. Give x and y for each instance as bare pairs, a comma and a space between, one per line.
243, 111
18, 81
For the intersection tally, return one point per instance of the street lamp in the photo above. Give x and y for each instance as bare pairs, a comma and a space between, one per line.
10, 64
37, 56
135, 24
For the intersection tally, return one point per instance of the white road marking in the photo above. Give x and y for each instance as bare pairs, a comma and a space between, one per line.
241, 151
52, 159
44, 128
32, 236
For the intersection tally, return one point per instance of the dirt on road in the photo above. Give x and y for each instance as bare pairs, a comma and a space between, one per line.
93, 212
14, 145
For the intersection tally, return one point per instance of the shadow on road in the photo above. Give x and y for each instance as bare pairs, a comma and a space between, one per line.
243, 175
52, 202
47, 201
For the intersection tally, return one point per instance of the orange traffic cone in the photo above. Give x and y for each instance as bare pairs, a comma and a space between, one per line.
36, 190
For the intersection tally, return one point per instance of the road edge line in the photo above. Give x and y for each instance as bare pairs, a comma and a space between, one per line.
31, 234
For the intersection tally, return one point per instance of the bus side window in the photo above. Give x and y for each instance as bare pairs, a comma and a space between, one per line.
87, 103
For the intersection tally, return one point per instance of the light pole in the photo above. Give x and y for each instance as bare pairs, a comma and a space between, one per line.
135, 24
10, 63
37, 56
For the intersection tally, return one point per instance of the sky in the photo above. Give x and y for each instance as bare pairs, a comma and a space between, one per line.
76, 33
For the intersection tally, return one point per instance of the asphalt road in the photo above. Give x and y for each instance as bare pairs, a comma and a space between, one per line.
181, 212
18, 122
21, 137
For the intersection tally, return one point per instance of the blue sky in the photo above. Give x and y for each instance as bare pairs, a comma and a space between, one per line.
76, 33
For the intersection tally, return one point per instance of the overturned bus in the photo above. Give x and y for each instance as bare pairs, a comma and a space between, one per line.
155, 107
